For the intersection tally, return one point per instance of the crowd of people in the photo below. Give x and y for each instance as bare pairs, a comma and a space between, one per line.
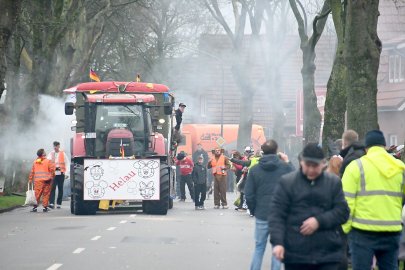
318, 215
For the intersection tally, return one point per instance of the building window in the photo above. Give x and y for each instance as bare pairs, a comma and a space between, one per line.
203, 105
396, 68
393, 139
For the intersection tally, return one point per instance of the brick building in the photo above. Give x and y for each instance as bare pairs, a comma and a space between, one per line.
209, 87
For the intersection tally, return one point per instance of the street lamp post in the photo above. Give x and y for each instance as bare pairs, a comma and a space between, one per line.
222, 102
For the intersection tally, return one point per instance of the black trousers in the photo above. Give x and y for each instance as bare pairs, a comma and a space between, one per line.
57, 181
183, 180
200, 192
323, 266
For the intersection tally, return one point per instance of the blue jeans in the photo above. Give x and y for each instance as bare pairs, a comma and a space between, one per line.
261, 239
365, 245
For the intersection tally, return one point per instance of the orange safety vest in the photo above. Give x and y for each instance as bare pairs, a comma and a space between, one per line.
42, 170
61, 160
218, 165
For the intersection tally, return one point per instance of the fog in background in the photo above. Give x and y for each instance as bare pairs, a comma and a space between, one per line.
165, 41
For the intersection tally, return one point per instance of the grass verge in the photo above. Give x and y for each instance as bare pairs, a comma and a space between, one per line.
11, 201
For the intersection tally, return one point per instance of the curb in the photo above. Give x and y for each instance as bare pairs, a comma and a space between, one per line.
10, 208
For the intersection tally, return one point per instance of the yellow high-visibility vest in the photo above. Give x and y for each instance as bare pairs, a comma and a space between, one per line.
374, 187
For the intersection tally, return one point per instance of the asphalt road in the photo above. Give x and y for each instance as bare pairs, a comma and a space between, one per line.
183, 239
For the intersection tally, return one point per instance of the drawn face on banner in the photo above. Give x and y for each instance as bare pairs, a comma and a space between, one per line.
146, 169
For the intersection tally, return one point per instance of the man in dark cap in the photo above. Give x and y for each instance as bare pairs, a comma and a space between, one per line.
308, 208
179, 115
374, 188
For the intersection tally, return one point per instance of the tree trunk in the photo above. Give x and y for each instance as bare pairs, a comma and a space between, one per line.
9, 13
10, 10
312, 116
274, 98
362, 55
335, 104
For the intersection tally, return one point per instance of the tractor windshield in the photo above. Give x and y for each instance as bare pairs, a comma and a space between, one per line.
110, 117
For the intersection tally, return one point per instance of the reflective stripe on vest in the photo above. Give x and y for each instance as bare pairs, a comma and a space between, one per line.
217, 166
41, 171
363, 191
376, 222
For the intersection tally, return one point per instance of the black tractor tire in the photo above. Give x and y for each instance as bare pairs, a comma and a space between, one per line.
171, 203
72, 209
160, 207
78, 206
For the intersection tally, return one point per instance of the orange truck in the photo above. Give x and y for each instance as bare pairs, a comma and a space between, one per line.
208, 135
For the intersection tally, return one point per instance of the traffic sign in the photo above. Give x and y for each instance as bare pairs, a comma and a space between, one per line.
220, 141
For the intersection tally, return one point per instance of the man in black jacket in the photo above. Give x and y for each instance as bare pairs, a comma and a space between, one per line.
261, 182
308, 208
199, 176
179, 116
352, 149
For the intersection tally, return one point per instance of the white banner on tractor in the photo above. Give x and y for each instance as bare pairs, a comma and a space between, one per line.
109, 179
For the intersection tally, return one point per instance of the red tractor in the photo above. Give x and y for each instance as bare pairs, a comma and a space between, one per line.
122, 149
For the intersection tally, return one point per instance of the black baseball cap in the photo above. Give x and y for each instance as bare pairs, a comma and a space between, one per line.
182, 105
312, 153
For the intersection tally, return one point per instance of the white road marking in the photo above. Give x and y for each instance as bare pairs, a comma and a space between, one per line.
54, 266
78, 250
123, 221
95, 238
111, 228
132, 216
113, 247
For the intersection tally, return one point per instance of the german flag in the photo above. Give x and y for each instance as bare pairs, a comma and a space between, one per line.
122, 150
94, 76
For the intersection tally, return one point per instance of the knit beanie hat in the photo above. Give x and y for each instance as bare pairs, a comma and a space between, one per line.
374, 137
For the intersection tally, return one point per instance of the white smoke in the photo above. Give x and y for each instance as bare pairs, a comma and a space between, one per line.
50, 124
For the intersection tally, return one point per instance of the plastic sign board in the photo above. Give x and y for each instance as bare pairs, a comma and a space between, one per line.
220, 141
113, 179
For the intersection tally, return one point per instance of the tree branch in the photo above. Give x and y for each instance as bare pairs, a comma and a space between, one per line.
217, 14
319, 24
124, 4
301, 26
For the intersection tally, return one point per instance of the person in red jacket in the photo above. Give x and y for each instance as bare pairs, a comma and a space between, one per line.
186, 166
42, 172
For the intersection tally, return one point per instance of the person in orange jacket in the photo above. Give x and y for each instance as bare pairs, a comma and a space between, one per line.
42, 173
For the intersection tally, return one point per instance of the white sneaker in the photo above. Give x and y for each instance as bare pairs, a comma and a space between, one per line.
58, 206
216, 207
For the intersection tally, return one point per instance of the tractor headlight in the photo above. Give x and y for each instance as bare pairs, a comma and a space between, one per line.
162, 121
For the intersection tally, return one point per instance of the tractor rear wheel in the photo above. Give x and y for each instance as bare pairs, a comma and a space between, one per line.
160, 207
78, 206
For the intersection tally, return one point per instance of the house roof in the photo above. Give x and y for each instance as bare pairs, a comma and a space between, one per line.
391, 22
391, 100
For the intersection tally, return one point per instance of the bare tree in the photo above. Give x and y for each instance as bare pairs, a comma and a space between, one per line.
146, 36
236, 36
312, 116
